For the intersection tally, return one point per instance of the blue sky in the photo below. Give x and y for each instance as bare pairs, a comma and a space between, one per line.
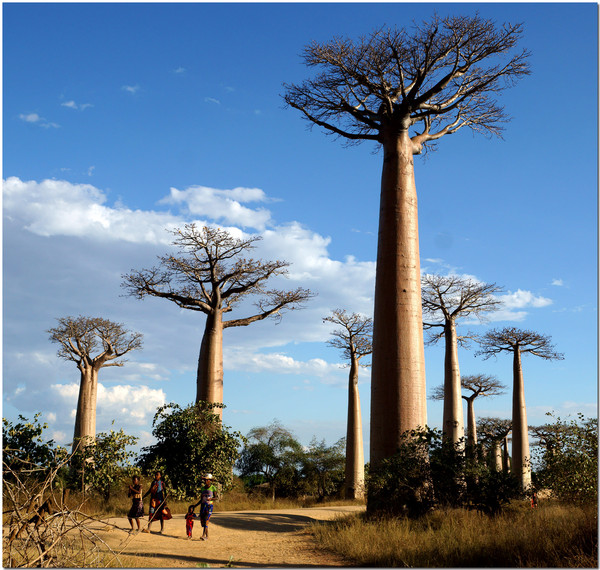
120, 120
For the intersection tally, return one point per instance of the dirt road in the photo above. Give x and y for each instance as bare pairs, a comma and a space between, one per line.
244, 539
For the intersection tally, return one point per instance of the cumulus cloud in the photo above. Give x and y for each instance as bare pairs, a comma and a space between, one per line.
133, 89
521, 299
222, 205
557, 282
212, 100
76, 106
34, 118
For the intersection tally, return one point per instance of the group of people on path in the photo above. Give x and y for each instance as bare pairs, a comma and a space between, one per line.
159, 511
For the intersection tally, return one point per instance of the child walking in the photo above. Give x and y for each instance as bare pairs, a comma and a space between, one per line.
189, 521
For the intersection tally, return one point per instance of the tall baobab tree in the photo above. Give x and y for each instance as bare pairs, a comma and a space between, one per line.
354, 339
518, 342
91, 343
445, 300
208, 274
495, 431
477, 385
440, 78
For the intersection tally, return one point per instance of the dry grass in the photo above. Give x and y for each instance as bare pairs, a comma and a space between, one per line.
550, 536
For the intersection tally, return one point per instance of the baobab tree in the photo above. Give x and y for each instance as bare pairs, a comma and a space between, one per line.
518, 342
440, 78
354, 339
495, 431
208, 274
446, 299
91, 343
476, 385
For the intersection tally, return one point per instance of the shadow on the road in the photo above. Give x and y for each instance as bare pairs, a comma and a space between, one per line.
197, 560
261, 521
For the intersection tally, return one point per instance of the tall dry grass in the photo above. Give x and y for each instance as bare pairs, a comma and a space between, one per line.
556, 536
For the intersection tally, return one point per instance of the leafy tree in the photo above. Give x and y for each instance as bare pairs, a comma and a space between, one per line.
80, 338
446, 299
105, 461
354, 338
272, 454
209, 275
190, 442
442, 76
323, 467
568, 459
518, 342
25, 449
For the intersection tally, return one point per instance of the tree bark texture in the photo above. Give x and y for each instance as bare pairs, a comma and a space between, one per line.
453, 429
398, 397
355, 458
85, 418
520, 438
209, 380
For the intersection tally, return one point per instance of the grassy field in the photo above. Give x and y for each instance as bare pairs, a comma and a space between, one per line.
551, 536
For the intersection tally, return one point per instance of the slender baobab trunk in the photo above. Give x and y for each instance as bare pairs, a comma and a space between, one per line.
453, 420
496, 459
398, 398
520, 439
209, 381
85, 419
505, 456
471, 425
355, 458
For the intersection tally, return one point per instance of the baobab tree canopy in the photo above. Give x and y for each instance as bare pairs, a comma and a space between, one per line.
442, 76
209, 275
91, 343
510, 339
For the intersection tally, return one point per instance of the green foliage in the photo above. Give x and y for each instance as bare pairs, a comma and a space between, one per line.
105, 461
568, 459
191, 441
323, 467
271, 455
24, 447
426, 471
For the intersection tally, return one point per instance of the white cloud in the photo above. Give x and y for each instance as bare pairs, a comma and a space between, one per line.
225, 205
133, 89
179, 70
521, 299
34, 118
557, 282
77, 106
212, 100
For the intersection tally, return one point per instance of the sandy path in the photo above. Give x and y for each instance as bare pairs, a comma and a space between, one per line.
270, 538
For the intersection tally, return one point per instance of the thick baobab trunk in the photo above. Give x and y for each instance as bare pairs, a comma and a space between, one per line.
520, 438
355, 458
209, 381
398, 398
453, 423
85, 419
471, 425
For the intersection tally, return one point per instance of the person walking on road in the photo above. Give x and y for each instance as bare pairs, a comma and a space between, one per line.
208, 494
137, 504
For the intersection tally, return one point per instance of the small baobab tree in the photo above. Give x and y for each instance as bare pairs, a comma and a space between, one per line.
353, 337
476, 385
446, 299
209, 274
91, 343
518, 342
494, 431
439, 77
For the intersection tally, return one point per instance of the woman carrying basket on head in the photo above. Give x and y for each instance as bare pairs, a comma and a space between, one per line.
158, 502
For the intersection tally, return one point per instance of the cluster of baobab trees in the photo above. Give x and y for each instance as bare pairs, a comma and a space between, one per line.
402, 89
